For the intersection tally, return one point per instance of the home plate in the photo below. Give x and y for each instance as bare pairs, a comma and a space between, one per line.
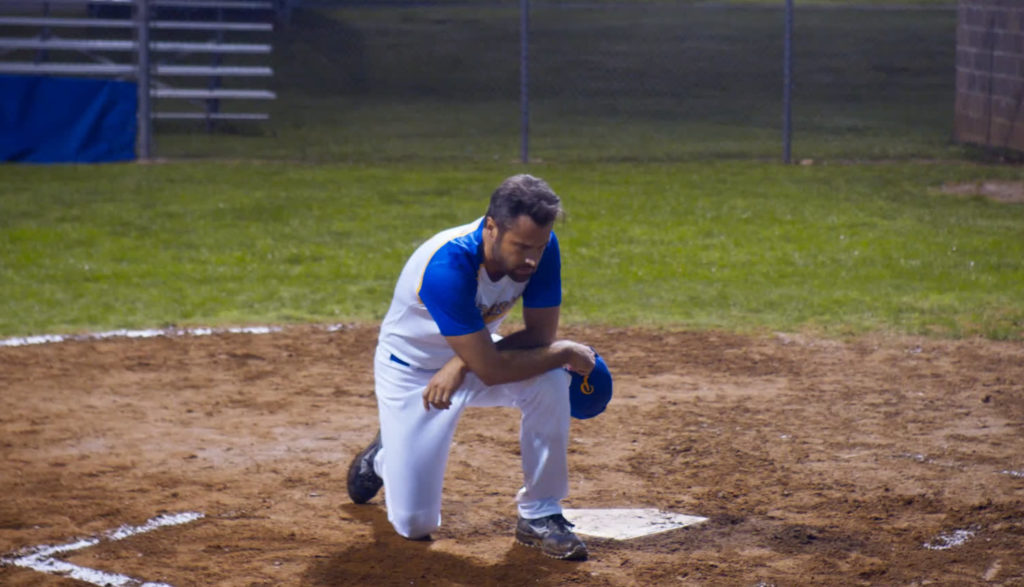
623, 524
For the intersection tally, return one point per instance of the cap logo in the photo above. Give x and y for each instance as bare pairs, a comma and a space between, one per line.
586, 387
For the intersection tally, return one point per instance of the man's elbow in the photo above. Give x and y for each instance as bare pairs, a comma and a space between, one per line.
541, 337
496, 372
491, 377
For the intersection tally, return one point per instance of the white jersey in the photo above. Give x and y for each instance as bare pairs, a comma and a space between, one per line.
444, 290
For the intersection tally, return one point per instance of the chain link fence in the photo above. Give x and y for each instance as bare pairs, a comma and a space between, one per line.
626, 81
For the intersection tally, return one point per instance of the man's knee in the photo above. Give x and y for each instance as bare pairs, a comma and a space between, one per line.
547, 396
559, 378
554, 386
415, 526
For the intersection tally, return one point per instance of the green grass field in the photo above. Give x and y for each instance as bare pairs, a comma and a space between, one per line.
727, 245
660, 126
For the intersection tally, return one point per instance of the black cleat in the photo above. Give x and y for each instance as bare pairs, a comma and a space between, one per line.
554, 537
363, 482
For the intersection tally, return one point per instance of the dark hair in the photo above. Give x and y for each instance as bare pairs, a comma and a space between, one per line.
524, 195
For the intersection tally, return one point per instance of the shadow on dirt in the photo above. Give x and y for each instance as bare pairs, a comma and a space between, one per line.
389, 559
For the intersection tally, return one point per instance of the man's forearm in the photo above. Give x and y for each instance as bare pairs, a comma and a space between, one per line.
517, 364
522, 339
520, 357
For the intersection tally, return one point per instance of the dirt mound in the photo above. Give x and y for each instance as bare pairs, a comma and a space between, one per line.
873, 461
1008, 192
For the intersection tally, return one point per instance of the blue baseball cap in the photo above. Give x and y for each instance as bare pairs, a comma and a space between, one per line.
589, 396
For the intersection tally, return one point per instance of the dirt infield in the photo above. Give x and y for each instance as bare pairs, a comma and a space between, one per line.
878, 461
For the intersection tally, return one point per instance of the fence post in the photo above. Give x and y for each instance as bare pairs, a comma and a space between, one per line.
145, 119
787, 85
524, 93
43, 55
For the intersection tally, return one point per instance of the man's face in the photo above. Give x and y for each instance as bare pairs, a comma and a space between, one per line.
516, 250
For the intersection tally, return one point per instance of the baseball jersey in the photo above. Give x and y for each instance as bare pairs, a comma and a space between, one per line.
444, 290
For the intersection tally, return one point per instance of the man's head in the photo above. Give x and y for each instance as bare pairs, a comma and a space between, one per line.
524, 195
519, 220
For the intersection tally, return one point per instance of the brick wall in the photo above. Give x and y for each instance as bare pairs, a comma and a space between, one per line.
990, 73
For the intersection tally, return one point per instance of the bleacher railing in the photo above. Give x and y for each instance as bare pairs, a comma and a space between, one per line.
115, 39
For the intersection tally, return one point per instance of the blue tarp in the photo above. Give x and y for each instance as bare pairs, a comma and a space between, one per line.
66, 120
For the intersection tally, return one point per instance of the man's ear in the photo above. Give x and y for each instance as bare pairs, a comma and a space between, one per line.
490, 226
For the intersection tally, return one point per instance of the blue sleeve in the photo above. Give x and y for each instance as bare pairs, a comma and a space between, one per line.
545, 287
448, 290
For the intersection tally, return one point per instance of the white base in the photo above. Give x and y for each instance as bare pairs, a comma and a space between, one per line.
623, 524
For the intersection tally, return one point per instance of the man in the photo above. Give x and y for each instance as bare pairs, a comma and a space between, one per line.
436, 355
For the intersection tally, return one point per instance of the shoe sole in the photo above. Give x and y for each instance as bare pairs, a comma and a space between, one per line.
577, 554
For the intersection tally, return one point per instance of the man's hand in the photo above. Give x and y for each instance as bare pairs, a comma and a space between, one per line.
581, 357
443, 384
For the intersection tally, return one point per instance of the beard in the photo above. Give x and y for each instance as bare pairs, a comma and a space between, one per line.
517, 273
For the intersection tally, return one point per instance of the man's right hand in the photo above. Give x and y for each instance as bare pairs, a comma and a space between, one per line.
581, 357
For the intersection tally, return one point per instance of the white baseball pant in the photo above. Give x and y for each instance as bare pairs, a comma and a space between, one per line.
415, 442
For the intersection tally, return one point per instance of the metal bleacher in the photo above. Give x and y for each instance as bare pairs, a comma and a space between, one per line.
178, 48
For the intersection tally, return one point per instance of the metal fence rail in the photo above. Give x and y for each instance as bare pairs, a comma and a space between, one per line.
127, 70
54, 44
115, 23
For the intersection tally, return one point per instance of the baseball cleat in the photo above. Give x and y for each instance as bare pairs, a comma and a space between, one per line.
554, 537
363, 481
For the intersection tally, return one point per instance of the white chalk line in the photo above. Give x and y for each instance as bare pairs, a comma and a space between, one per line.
152, 333
920, 458
41, 558
149, 333
947, 541
960, 537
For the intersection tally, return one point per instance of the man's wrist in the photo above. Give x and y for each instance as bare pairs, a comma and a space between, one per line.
563, 350
458, 363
